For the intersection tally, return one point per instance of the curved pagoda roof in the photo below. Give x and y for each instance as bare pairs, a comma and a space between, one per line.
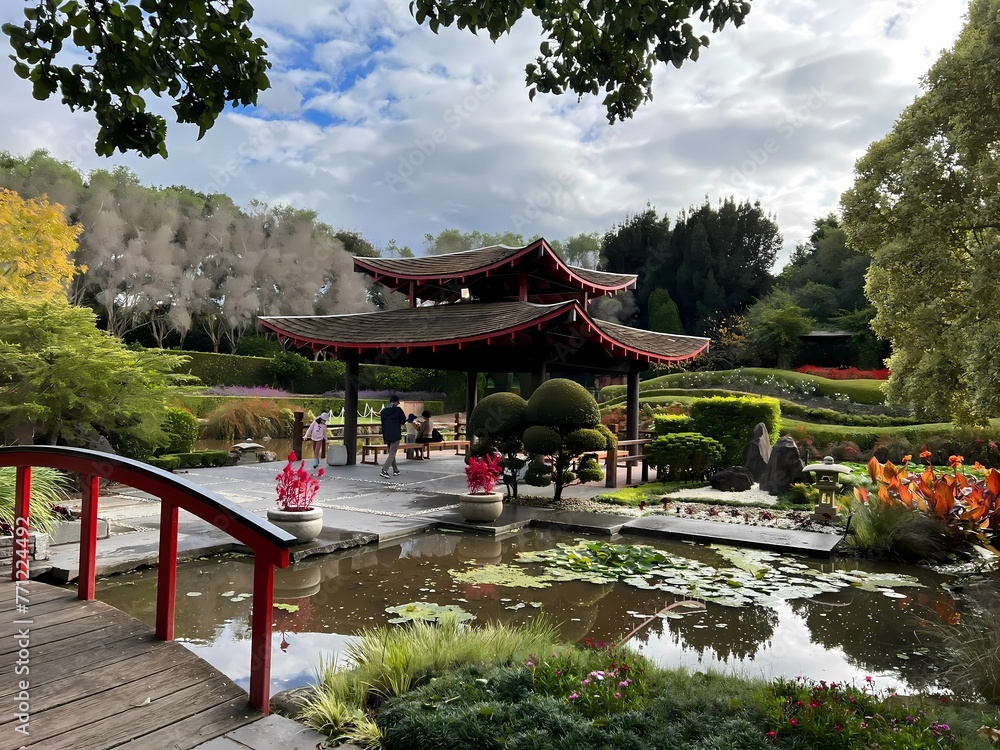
533, 273
489, 336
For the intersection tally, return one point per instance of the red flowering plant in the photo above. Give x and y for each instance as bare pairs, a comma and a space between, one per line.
296, 488
482, 473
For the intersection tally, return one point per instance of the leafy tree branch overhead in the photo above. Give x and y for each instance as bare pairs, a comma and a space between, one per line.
108, 56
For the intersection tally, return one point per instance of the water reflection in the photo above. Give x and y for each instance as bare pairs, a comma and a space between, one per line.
840, 636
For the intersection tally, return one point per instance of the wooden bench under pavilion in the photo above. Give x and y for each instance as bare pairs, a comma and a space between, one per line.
496, 309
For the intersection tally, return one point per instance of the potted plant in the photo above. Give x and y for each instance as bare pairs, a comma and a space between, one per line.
296, 494
482, 504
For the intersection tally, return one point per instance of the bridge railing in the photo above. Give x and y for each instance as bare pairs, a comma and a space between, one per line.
269, 544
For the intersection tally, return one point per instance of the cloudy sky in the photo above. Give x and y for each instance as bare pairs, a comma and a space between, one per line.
385, 128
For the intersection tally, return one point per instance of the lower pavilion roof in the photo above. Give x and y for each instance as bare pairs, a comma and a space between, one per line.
505, 336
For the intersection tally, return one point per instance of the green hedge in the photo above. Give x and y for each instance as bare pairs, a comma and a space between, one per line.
227, 369
669, 424
685, 455
203, 405
859, 391
168, 463
196, 460
731, 421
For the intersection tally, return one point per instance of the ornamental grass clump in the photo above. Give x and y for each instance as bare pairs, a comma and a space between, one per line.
296, 487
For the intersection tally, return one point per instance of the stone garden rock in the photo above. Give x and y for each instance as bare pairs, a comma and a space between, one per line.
758, 452
733, 479
784, 467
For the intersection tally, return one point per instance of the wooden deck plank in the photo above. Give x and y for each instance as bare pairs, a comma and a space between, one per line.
35, 594
115, 730
92, 669
196, 729
74, 660
101, 645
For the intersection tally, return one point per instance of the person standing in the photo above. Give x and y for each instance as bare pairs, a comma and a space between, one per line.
316, 432
393, 418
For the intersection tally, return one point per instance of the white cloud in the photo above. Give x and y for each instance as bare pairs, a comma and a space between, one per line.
382, 126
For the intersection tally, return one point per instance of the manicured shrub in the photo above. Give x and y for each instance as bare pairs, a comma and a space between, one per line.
538, 473
226, 369
685, 455
668, 424
497, 424
198, 459
181, 427
731, 421
562, 417
167, 463
562, 404
288, 369
588, 469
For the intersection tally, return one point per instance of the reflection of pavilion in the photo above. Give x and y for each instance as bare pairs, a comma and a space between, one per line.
489, 309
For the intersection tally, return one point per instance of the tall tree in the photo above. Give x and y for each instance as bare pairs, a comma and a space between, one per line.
73, 382
924, 205
205, 57
455, 241
775, 324
36, 247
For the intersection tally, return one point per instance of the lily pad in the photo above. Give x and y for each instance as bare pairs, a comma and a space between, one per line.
286, 607
503, 575
428, 612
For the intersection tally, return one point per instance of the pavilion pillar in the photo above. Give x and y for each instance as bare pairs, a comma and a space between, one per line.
538, 376
632, 410
351, 387
471, 393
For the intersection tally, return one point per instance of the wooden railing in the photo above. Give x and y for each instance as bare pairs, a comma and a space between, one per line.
268, 543
627, 453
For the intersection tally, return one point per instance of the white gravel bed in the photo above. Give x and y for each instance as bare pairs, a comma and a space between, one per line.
753, 495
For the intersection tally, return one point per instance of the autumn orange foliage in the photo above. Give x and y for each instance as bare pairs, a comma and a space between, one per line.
970, 506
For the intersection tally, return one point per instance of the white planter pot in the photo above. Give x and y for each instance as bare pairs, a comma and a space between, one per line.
304, 525
481, 508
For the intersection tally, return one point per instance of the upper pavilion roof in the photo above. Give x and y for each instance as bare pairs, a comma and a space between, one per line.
500, 335
533, 273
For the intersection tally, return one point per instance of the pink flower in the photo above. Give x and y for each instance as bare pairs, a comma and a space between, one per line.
618, 695
572, 696
772, 734
793, 722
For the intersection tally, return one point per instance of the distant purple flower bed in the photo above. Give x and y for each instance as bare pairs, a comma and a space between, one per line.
384, 395
238, 390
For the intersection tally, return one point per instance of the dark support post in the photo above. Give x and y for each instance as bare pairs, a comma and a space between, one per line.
88, 537
351, 410
632, 410
166, 572
471, 394
538, 376
22, 522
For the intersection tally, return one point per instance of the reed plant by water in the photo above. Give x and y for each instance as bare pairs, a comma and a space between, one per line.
48, 490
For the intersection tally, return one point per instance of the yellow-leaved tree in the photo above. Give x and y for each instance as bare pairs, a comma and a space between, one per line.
36, 247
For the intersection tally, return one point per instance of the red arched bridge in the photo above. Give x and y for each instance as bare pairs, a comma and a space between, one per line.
269, 545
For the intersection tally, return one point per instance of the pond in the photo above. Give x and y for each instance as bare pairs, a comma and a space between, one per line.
843, 634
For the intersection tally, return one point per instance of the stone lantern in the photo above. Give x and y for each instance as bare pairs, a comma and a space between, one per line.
827, 478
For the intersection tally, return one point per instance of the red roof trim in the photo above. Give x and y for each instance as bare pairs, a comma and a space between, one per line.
511, 260
602, 337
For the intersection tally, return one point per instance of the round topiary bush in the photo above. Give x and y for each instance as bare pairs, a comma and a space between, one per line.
498, 417
564, 405
542, 441
585, 440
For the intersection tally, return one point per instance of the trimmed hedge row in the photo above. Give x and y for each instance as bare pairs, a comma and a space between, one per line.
195, 460
204, 405
731, 421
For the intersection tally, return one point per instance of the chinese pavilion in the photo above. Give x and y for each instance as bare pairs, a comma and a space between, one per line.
495, 309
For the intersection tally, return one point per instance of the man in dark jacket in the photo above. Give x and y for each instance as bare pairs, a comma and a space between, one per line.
393, 418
